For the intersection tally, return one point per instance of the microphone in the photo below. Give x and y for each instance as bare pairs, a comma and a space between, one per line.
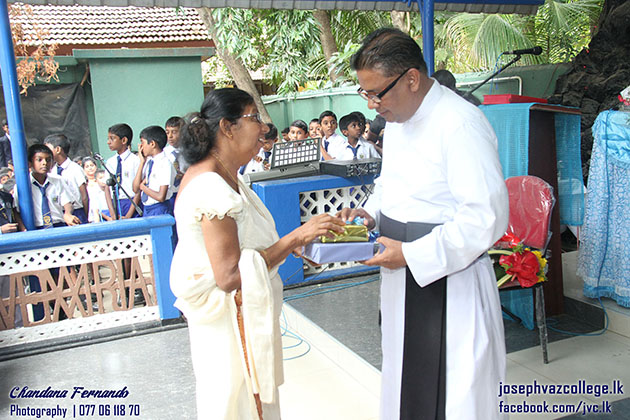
535, 51
97, 157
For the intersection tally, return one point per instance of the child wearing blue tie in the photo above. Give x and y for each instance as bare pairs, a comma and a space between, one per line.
71, 173
156, 174
172, 150
355, 147
330, 139
52, 207
124, 164
262, 161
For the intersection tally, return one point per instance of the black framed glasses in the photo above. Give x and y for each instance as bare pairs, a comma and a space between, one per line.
377, 98
256, 117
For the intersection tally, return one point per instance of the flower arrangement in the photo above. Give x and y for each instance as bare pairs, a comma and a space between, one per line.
515, 261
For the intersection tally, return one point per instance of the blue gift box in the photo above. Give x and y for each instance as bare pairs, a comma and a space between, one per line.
339, 252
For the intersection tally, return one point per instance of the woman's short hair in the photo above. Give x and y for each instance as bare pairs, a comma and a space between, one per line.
390, 51
199, 134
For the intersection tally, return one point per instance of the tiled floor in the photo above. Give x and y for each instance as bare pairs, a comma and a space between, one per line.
324, 379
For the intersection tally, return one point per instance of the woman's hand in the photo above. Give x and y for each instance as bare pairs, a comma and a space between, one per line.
348, 214
317, 226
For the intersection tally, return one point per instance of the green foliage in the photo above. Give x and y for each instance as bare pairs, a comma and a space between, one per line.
474, 42
563, 28
285, 44
340, 62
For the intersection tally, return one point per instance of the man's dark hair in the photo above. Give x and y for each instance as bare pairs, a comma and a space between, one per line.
58, 140
122, 130
360, 116
327, 114
154, 133
37, 148
272, 134
175, 122
285, 130
390, 51
346, 120
377, 125
300, 124
445, 78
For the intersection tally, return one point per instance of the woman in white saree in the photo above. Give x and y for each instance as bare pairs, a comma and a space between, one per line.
224, 270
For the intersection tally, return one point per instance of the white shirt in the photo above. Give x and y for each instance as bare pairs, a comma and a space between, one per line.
57, 195
441, 166
74, 177
177, 159
365, 150
98, 202
162, 173
254, 166
446, 153
130, 165
334, 144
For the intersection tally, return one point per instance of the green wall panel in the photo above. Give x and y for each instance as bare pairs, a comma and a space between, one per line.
142, 92
536, 81
308, 105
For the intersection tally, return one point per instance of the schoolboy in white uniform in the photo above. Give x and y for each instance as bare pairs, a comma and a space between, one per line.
262, 161
156, 174
71, 173
331, 141
354, 147
124, 164
172, 127
56, 209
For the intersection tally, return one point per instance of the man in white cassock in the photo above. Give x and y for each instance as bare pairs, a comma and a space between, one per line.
439, 204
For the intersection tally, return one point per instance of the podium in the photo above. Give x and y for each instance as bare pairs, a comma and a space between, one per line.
542, 140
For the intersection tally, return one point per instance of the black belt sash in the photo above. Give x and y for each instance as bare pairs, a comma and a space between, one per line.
423, 390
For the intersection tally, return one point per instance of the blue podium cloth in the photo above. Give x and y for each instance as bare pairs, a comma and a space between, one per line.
604, 256
511, 125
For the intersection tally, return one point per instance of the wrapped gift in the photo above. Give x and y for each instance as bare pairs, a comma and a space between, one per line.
324, 253
351, 233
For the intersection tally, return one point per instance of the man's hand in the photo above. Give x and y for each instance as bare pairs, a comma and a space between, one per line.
392, 257
9, 227
350, 214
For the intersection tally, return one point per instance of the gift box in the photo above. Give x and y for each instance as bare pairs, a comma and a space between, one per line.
351, 233
324, 253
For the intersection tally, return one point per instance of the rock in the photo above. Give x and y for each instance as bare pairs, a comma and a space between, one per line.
599, 72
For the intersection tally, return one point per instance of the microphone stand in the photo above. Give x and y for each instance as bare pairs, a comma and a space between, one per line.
113, 182
514, 60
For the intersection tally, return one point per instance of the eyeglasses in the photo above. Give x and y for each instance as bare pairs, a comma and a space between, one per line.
256, 117
377, 98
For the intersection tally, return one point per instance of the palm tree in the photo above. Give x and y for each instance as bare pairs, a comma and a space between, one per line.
473, 42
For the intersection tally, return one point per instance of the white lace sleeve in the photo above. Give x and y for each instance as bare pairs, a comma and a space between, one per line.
217, 199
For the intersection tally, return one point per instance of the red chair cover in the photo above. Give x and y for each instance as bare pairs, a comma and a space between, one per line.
531, 202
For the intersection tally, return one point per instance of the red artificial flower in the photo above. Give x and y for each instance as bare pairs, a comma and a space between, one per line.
523, 266
509, 239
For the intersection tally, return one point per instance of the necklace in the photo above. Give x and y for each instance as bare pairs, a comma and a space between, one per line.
242, 191
225, 169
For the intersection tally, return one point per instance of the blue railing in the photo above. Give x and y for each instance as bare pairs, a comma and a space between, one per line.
159, 227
